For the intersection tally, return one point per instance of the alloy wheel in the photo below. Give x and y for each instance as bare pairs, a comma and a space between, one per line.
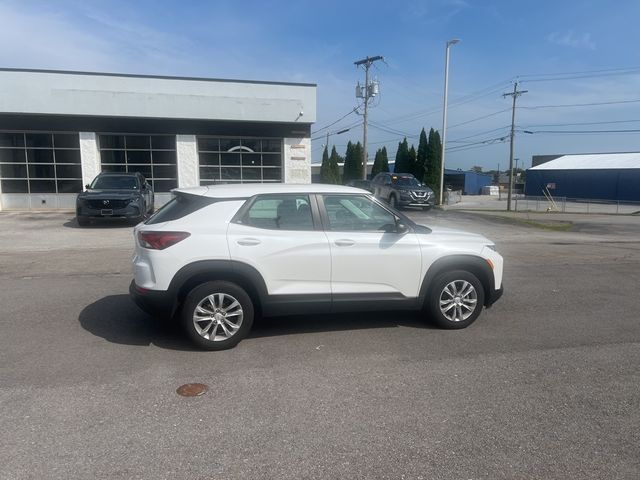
458, 300
218, 317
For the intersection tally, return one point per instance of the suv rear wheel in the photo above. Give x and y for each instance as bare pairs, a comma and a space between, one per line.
217, 315
456, 299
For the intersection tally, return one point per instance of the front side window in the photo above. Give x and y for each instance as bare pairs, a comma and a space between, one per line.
280, 212
355, 212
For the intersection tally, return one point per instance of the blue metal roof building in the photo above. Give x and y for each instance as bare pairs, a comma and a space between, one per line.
602, 176
469, 182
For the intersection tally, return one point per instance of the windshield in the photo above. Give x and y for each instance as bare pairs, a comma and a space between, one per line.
115, 182
407, 182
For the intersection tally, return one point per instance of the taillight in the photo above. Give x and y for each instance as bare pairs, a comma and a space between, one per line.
160, 240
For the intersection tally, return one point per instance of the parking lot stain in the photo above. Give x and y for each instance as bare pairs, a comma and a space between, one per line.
192, 389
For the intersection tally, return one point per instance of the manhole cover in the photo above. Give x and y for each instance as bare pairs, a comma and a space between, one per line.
192, 389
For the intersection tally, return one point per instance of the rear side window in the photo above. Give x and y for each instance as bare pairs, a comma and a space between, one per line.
180, 206
279, 212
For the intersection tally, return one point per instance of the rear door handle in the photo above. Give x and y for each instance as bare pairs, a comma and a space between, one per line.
345, 243
248, 242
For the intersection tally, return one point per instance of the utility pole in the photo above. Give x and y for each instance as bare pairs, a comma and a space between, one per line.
370, 90
515, 94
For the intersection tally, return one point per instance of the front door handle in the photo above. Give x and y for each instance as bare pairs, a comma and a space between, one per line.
248, 242
345, 243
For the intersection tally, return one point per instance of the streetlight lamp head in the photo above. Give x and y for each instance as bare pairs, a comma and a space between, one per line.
453, 41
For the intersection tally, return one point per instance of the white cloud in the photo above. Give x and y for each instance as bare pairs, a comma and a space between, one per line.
572, 39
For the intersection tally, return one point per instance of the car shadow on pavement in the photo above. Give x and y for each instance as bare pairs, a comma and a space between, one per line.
335, 322
118, 320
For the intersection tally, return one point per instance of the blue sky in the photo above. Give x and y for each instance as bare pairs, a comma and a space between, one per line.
317, 42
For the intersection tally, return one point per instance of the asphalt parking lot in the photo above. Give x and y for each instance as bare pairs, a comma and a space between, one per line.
546, 384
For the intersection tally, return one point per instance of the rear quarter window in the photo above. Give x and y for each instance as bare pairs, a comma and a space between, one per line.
180, 206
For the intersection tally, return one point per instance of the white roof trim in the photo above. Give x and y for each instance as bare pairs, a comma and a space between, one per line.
592, 161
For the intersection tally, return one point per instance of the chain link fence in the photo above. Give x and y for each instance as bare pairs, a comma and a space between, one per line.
575, 205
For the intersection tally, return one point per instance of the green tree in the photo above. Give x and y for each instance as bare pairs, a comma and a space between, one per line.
402, 158
434, 156
358, 153
352, 162
476, 169
325, 173
421, 159
411, 164
385, 160
334, 168
377, 163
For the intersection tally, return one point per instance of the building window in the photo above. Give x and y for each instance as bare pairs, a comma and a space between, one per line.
40, 162
154, 156
239, 160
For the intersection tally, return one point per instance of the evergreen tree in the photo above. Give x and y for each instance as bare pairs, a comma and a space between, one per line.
421, 159
377, 163
434, 156
402, 158
411, 164
385, 160
334, 168
325, 173
380, 163
349, 172
358, 154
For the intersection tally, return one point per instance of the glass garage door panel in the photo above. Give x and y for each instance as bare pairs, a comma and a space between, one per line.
40, 162
154, 156
239, 160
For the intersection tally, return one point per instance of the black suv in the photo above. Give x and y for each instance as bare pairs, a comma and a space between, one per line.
402, 190
119, 195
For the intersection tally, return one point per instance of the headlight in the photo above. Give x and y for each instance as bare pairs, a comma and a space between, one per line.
492, 247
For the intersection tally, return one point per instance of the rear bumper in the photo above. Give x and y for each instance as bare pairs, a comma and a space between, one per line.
494, 296
157, 303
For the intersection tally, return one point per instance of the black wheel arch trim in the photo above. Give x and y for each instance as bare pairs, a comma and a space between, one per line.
193, 274
471, 263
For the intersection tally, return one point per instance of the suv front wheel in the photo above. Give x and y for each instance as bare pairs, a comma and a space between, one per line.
217, 315
456, 299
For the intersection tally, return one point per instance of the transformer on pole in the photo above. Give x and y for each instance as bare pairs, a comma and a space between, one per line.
369, 90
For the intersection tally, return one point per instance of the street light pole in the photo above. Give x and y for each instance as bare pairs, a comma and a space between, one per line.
444, 114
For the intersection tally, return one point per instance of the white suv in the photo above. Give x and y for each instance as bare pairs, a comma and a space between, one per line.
216, 256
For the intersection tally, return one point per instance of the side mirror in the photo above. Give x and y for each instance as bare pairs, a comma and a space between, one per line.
87, 186
401, 227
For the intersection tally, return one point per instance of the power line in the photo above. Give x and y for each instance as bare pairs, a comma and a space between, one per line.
606, 70
580, 132
479, 118
460, 140
578, 123
535, 107
333, 123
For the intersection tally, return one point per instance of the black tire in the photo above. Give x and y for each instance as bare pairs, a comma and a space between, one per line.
461, 280
82, 220
199, 295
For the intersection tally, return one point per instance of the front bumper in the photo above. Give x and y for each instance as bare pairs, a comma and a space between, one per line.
494, 296
132, 210
411, 202
157, 303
